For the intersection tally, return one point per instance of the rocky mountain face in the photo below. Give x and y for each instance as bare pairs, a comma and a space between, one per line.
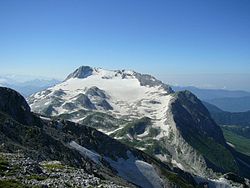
75, 146
15, 105
145, 113
194, 127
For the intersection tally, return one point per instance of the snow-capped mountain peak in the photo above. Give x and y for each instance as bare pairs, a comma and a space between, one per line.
122, 91
144, 79
81, 72
141, 110
86, 71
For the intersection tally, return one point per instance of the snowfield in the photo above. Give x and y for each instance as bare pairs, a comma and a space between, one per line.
137, 171
131, 169
125, 94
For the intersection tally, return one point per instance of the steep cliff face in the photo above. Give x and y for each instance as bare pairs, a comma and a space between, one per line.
15, 105
198, 141
191, 115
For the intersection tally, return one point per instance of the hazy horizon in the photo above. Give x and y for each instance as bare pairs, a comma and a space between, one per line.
182, 80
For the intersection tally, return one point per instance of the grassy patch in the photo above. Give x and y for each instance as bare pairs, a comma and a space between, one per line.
68, 184
101, 120
3, 165
36, 177
239, 130
242, 144
13, 170
133, 128
177, 180
11, 184
53, 166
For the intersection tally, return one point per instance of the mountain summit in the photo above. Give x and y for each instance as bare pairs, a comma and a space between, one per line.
145, 113
81, 72
144, 79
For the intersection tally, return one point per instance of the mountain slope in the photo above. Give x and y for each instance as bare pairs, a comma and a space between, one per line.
175, 127
235, 126
83, 147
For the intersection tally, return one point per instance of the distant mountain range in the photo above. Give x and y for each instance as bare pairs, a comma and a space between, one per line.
27, 87
227, 100
228, 118
239, 104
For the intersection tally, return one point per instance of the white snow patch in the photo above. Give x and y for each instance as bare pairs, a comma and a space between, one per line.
129, 136
47, 103
230, 144
179, 165
137, 171
140, 148
143, 134
45, 118
110, 132
86, 152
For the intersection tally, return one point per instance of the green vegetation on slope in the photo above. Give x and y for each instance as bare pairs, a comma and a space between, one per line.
3, 165
174, 178
12, 184
148, 143
133, 128
99, 120
214, 152
242, 144
239, 130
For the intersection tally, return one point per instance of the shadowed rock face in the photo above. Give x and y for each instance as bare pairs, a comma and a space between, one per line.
104, 104
148, 80
81, 72
59, 93
95, 92
187, 108
15, 105
84, 101
198, 129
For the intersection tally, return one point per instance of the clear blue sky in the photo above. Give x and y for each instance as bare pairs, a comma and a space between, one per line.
53, 37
